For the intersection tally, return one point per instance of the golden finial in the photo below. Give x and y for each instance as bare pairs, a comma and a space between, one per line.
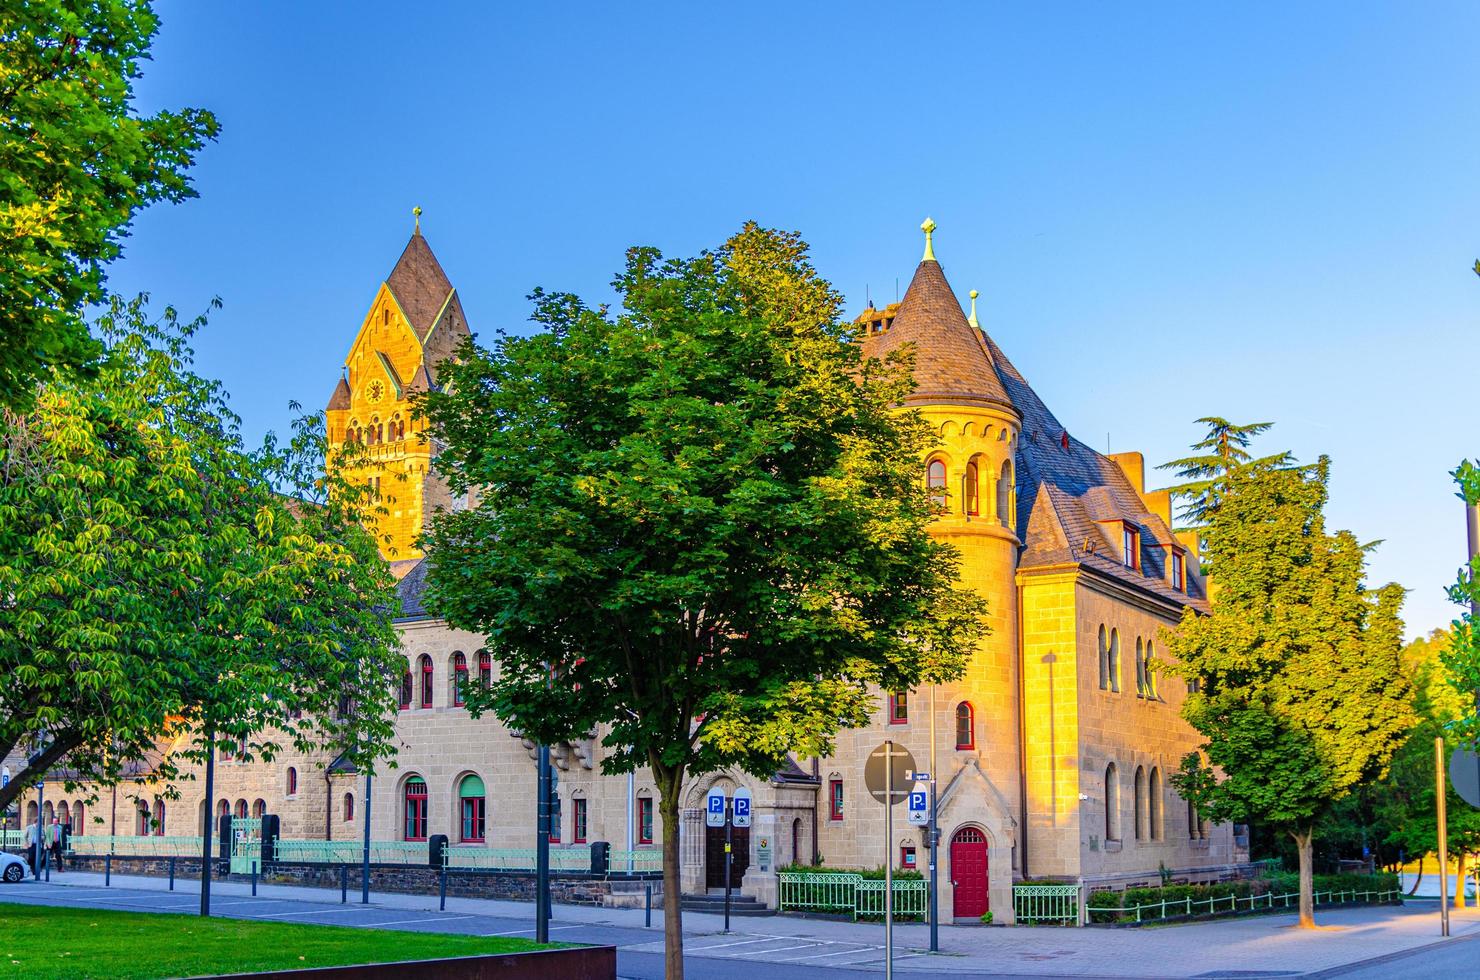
928, 226
416, 212
972, 319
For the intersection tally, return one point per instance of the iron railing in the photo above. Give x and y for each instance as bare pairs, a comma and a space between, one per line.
516, 858
848, 894
1230, 904
351, 851
634, 862
1033, 904
134, 846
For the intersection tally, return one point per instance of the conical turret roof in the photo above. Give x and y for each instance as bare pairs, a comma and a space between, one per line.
952, 362
419, 284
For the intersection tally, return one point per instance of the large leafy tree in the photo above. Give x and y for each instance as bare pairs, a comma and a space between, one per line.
155, 573
1462, 657
701, 525
76, 164
1301, 694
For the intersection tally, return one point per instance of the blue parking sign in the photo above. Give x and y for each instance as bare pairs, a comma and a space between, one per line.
714, 808
919, 807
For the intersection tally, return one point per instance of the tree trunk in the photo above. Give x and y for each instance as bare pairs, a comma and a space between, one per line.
1461, 860
1419, 877
669, 785
1307, 899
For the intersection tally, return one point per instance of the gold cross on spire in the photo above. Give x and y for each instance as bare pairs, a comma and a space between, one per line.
416, 213
928, 226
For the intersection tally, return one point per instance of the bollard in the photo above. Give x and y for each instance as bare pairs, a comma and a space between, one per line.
254, 879
443, 888
343, 884
48, 870
107, 870
172, 874
649, 890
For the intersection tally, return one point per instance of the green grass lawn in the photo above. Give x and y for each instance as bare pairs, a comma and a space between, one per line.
42, 941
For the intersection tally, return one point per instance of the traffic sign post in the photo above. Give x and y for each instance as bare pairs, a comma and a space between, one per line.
714, 808
1464, 774
919, 806
886, 776
742, 807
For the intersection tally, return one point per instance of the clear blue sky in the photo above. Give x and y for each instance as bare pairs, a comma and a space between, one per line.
1263, 212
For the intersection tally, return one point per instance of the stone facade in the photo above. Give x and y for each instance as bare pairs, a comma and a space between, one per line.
1076, 561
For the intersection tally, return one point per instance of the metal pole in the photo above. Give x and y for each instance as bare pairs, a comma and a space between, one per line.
1439, 796
210, 816
889, 860
172, 874
729, 823
932, 832
343, 883
542, 851
365, 857
40, 827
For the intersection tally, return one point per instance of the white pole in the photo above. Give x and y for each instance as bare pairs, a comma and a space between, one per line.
631, 797
889, 860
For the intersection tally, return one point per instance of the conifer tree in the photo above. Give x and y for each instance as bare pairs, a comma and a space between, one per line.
1301, 691
1205, 473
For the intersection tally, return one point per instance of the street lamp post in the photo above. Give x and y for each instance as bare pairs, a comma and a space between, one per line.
207, 819
933, 833
542, 851
365, 857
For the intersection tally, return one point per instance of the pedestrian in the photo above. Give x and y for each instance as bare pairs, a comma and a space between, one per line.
54, 840
33, 847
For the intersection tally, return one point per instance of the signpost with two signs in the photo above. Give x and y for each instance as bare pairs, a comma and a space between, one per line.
727, 813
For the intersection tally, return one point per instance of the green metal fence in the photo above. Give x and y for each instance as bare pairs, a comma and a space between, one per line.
635, 861
12, 839
352, 851
848, 894
1032, 904
1235, 904
517, 858
135, 846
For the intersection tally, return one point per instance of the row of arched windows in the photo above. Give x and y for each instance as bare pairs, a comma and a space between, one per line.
418, 683
1146, 804
64, 814
375, 431
1109, 643
471, 808
974, 502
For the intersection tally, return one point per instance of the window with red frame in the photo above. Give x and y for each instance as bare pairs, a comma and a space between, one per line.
459, 678
1131, 547
414, 825
349, 807
907, 857
578, 820
470, 792
241, 809
899, 708
1179, 572
159, 818
835, 799
935, 482
485, 669
554, 818
426, 681
292, 781
644, 820
965, 726
406, 688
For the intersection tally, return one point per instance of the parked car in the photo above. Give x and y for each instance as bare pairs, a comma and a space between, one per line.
12, 868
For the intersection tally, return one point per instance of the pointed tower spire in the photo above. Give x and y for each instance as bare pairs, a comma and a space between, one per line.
928, 227
972, 319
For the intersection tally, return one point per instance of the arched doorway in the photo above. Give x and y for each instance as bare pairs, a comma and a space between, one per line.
714, 856
969, 872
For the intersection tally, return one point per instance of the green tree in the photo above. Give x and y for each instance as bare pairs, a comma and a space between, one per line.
1214, 459
1462, 658
1301, 691
702, 527
151, 576
76, 164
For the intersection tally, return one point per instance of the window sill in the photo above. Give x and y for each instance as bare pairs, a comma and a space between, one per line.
1113, 846
1198, 843
966, 748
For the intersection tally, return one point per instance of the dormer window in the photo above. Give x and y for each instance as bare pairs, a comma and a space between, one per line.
1178, 570
1130, 554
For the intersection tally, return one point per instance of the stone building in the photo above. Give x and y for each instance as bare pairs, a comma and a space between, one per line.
1051, 754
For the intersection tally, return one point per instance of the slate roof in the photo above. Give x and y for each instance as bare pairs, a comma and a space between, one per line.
340, 400
411, 587
428, 299
952, 363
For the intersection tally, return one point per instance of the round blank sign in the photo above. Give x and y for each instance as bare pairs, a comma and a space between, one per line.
874, 770
1464, 775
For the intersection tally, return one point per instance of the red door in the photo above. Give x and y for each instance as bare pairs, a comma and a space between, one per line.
969, 872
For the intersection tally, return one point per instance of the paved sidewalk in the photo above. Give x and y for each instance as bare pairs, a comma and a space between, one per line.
782, 946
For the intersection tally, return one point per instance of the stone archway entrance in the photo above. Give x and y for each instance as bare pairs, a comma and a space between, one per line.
714, 856
969, 872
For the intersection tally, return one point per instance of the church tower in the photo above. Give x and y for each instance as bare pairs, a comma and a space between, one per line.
415, 322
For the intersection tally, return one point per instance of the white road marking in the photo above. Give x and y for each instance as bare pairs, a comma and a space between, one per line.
279, 915
836, 952
767, 952
399, 922
689, 948
520, 932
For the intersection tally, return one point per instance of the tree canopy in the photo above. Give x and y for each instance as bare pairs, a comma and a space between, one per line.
1301, 691
76, 164
702, 527
1214, 458
155, 573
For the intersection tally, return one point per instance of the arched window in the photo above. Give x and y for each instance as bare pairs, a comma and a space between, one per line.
259, 809
223, 809
141, 820
1104, 645
241, 809
349, 807
1140, 670
965, 729
1115, 661
935, 482
971, 490
31, 813
398, 428
406, 689
64, 814
414, 825
426, 680
485, 669
1150, 673
1112, 803
459, 677
78, 822
159, 818
1154, 829
292, 781
1140, 803
1004, 494
471, 800
1194, 831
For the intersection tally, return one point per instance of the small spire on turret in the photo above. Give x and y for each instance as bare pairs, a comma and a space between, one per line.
972, 319
928, 226
416, 213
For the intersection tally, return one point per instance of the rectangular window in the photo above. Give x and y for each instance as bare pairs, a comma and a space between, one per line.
554, 819
907, 857
1132, 547
472, 818
835, 799
899, 708
578, 821
645, 820
1179, 572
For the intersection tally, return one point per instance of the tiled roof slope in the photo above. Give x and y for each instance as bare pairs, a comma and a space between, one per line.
1064, 492
410, 589
952, 364
428, 299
